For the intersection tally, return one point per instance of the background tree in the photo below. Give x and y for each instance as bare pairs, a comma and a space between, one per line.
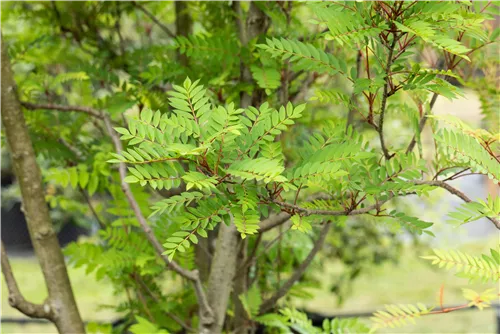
191, 133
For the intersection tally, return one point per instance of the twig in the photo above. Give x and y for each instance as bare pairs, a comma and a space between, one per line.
193, 276
154, 19
455, 192
308, 212
88, 110
352, 99
16, 299
282, 217
304, 87
269, 303
91, 207
251, 261
421, 124
71, 148
250, 257
273, 221
384, 98
179, 321
142, 299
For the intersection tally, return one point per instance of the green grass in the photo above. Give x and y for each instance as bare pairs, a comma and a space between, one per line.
412, 281
89, 295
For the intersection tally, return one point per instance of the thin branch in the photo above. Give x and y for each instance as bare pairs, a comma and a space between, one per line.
91, 207
352, 100
273, 221
142, 299
158, 301
190, 275
456, 192
282, 217
251, 260
385, 96
421, 124
254, 250
71, 148
88, 110
154, 19
269, 303
304, 87
309, 212
118, 29
16, 299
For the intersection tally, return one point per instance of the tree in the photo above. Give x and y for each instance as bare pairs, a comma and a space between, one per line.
60, 307
210, 116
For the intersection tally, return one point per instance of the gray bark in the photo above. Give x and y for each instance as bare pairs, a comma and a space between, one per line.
221, 277
183, 25
223, 267
61, 305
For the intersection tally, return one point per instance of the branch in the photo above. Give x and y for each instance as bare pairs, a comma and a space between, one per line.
352, 100
88, 110
273, 221
456, 192
118, 29
190, 275
421, 124
269, 303
254, 256
384, 98
304, 87
61, 302
158, 301
92, 210
16, 299
308, 212
154, 19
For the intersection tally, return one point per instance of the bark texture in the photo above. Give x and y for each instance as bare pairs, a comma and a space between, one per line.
229, 248
183, 25
240, 286
60, 306
221, 277
224, 261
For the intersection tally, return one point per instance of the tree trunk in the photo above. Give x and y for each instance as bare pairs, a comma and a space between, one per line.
183, 25
221, 277
223, 267
240, 286
61, 302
